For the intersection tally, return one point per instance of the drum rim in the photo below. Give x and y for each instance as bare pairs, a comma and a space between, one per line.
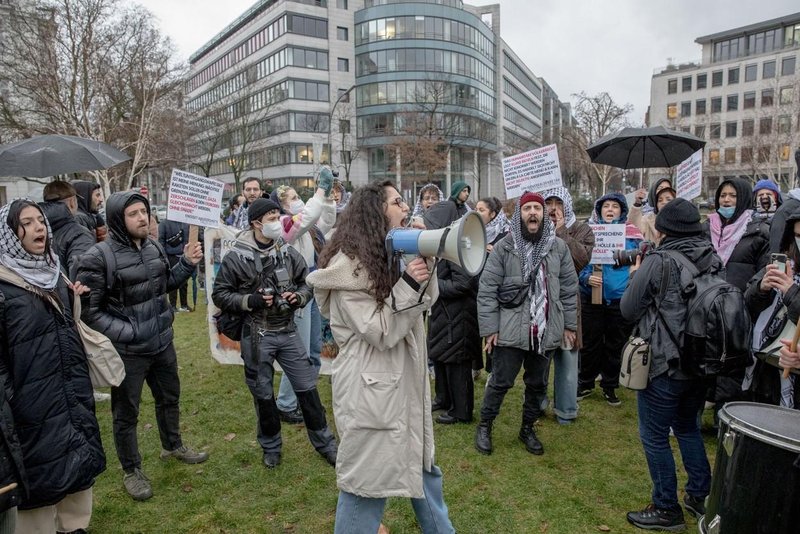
759, 434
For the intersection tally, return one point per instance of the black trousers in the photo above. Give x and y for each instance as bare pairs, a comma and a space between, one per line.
506, 363
454, 388
604, 334
182, 290
161, 374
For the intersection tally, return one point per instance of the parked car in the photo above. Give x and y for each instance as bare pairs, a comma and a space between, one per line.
160, 211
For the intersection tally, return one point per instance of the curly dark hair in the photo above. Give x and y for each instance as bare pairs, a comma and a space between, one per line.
361, 233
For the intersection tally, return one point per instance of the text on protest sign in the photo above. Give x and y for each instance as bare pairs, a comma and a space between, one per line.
689, 180
535, 170
194, 199
607, 239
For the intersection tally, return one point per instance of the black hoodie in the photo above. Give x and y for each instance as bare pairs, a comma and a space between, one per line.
85, 216
70, 239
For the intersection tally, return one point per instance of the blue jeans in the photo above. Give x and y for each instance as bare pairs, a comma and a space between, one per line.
666, 403
309, 328
362, 515
565, 384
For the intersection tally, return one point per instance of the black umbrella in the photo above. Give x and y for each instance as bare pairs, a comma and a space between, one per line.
638, 148
51, 155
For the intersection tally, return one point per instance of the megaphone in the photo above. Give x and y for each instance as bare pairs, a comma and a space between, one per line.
463, 243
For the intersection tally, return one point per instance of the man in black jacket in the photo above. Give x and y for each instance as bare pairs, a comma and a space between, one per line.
133, 311
90, 200
70, 239
265, 280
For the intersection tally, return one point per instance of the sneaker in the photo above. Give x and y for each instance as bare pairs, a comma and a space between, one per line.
696, 506
652, 518
584, 392
185, 455
271, 459
562, 421
330, 457
99, 396
294, 417
137, 485
610, 395
183, 309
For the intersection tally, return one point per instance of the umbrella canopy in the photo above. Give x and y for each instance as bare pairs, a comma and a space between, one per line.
638, 148
51, 155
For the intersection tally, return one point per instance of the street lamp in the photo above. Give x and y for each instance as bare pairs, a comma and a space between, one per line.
330, 123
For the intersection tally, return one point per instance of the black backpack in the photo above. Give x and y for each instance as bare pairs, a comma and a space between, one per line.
717, 335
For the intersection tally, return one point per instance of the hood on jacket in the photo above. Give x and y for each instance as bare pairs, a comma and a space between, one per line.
57, 213
115, 213
788, 232
697, 248
652, 199
457, 188
744, 196
616, 197
85, 189
339, 274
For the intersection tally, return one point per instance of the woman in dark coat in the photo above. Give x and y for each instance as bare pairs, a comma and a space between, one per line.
52, 404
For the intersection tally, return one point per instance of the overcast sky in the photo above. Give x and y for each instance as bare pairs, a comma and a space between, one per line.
576, 45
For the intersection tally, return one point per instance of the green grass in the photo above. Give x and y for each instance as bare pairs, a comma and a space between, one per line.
591, 474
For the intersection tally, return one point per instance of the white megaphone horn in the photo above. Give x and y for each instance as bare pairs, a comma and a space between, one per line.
463, 243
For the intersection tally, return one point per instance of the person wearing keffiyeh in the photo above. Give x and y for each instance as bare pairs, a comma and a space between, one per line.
526, 311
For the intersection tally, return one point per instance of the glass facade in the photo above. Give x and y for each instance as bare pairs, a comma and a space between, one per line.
425, 92
424, 59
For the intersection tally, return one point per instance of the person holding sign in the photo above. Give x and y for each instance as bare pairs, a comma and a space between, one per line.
604, 329
643, 214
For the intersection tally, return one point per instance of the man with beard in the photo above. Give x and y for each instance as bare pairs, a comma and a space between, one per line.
251, 189
528, 273
90, 200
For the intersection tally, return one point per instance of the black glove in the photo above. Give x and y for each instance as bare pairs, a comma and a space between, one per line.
256, 301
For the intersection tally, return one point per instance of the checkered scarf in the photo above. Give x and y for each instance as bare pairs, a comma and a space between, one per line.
40, 271
562, 193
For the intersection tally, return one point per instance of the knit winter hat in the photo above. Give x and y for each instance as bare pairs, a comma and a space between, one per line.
527, 196
679, 218
770, 186
260, 207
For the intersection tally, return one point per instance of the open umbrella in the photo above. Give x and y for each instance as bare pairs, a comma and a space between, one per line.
51, 155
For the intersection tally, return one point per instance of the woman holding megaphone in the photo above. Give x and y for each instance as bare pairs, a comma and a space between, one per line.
381, 392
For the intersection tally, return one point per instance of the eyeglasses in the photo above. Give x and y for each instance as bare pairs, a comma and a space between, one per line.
397, 201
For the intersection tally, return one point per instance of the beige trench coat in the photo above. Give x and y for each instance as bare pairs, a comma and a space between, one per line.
381, 391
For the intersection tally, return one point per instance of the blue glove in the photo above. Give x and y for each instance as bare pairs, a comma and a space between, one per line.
326, 180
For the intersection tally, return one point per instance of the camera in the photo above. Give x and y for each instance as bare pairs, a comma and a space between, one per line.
280, 304
278, 283
624, 258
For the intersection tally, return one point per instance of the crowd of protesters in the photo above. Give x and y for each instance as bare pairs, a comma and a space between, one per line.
299, 269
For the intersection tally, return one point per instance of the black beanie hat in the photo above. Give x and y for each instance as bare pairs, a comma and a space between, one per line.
679, 218
259, 208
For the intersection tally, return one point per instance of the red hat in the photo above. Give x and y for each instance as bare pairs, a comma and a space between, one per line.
527, 196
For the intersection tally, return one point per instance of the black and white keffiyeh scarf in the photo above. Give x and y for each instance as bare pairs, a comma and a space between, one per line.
562, 193
40, 271
498, 225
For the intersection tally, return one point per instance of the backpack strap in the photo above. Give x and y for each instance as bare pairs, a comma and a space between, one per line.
111, 263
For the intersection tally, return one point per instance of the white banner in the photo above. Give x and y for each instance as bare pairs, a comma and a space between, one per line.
689, 180
218, 241
607, 239
535, 170
194, 199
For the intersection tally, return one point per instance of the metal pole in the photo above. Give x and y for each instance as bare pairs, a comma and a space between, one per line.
330, 124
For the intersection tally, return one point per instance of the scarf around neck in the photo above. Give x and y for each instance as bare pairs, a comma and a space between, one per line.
38, 270
496, 226
724, 238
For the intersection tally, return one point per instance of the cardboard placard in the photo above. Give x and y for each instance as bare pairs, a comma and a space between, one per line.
535, 170
194, 199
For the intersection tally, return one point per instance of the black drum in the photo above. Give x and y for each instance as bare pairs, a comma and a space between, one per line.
755, 487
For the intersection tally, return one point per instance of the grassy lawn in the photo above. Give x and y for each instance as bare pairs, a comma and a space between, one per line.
592, 472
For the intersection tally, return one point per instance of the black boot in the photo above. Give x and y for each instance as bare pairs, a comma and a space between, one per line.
527, 435
483, 436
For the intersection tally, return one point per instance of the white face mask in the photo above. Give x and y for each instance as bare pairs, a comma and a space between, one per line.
271, 230
797, 242
296, 206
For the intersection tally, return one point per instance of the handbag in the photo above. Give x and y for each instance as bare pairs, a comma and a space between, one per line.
511, 295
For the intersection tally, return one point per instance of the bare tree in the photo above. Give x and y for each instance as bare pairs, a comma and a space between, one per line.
349, 147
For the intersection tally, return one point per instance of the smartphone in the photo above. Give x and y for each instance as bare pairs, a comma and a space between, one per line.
779, 260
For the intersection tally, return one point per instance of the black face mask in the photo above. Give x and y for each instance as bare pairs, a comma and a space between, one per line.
528, 236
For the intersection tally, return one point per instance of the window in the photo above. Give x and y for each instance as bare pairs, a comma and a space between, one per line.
765, 126
342, 33
749, 100
713, 156
343, 64
747, 154
700, 131
343, 96
748, 127
730, 155
672, 111
715, 130
344, 126
341, 4
486, 18
786, 95
716, 78
686, 84
768, 70
686, 109
784, 124
730, 129
700, 107
702, 81
672, 86
716, 104
784, 153
767, 97
733, 103
763, 154
750, 72
787, 66
733, 75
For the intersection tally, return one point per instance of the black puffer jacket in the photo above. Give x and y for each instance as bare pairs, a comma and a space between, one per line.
135, 314
238, 278
11, 466
52, 403
70, 239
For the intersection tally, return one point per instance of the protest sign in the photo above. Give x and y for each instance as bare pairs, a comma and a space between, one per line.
689, 180
194, 199
607, 239
535, 170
